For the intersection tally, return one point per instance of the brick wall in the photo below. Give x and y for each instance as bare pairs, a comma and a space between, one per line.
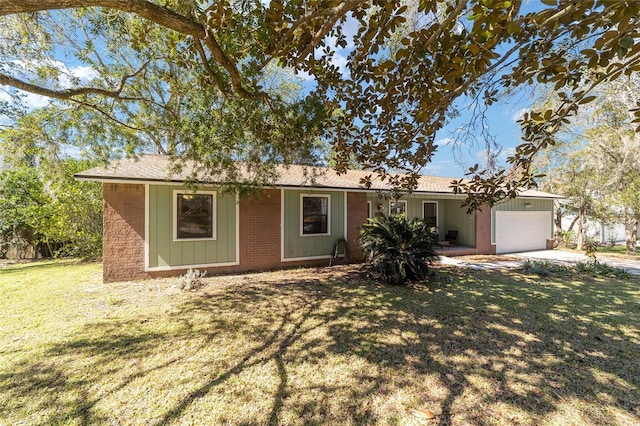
123, 232
483, 231
260, 235
356, 216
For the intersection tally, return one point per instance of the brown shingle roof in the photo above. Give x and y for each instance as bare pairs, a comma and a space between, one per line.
157, 168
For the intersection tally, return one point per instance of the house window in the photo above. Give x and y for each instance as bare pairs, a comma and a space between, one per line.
430, 212
315, 214
194, 215
397, 207
369, 213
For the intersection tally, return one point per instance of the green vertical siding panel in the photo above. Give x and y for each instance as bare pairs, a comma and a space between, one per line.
230, 203
164, 230
296, 245
163, 251
187, 253
456, 218
151, 231
199, 253
414, 207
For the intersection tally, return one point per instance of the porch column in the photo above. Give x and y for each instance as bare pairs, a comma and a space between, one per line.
483, 231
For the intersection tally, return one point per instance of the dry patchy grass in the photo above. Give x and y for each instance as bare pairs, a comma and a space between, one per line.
317, 346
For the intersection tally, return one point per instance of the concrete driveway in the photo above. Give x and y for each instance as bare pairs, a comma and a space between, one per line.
556, 256
565, 257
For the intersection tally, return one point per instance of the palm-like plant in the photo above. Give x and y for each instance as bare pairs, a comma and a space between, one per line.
397, 250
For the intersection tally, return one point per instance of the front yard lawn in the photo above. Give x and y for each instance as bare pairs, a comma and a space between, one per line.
317, 346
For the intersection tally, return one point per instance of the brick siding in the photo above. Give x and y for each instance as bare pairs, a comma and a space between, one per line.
260, 231
123, 232
483, 231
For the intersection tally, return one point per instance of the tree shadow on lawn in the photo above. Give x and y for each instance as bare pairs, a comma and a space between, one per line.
483, 348
536, 344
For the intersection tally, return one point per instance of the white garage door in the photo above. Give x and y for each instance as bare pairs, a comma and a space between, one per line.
522, 231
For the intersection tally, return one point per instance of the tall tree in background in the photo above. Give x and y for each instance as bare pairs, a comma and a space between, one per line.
568, 171
47, 212
605, 150
382, 110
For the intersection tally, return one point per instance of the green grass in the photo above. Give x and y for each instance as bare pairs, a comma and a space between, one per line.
620, 250
317, 346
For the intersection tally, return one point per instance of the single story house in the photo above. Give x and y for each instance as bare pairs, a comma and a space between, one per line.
155, 226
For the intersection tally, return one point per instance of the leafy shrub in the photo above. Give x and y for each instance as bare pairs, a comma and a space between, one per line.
545, 268
595, 268
397, 250
192, 280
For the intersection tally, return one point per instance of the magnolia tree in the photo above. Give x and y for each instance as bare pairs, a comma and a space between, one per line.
191, 78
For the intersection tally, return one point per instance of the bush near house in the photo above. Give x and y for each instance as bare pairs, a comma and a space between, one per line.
397, 250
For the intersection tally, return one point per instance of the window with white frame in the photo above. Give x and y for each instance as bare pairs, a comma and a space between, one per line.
314, 214
194, 215
398, 207
430, 212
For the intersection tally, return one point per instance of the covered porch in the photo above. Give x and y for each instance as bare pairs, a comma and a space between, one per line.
459, 233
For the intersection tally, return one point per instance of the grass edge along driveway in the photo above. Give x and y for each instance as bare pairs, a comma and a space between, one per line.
317, 346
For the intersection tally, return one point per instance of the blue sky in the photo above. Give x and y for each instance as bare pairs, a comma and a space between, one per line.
454, 161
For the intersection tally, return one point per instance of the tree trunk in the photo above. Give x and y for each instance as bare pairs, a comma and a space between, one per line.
631, 231
580, 228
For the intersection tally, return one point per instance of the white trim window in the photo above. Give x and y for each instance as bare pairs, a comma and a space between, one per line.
315, 215
397, 207
194, 215
430, 212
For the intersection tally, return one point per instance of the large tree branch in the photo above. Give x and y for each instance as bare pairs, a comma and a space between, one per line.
66, 94
145, 9
151, 11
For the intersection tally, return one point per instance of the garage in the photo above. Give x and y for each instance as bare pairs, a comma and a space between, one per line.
517, 231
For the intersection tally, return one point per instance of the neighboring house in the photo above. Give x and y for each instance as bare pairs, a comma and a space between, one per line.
601, 231
155, 226
596, 229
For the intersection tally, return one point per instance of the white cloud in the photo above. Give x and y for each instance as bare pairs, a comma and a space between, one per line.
29, 100
445, 141
32, 101
67, 74
507, 152
519, 114
83, 73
